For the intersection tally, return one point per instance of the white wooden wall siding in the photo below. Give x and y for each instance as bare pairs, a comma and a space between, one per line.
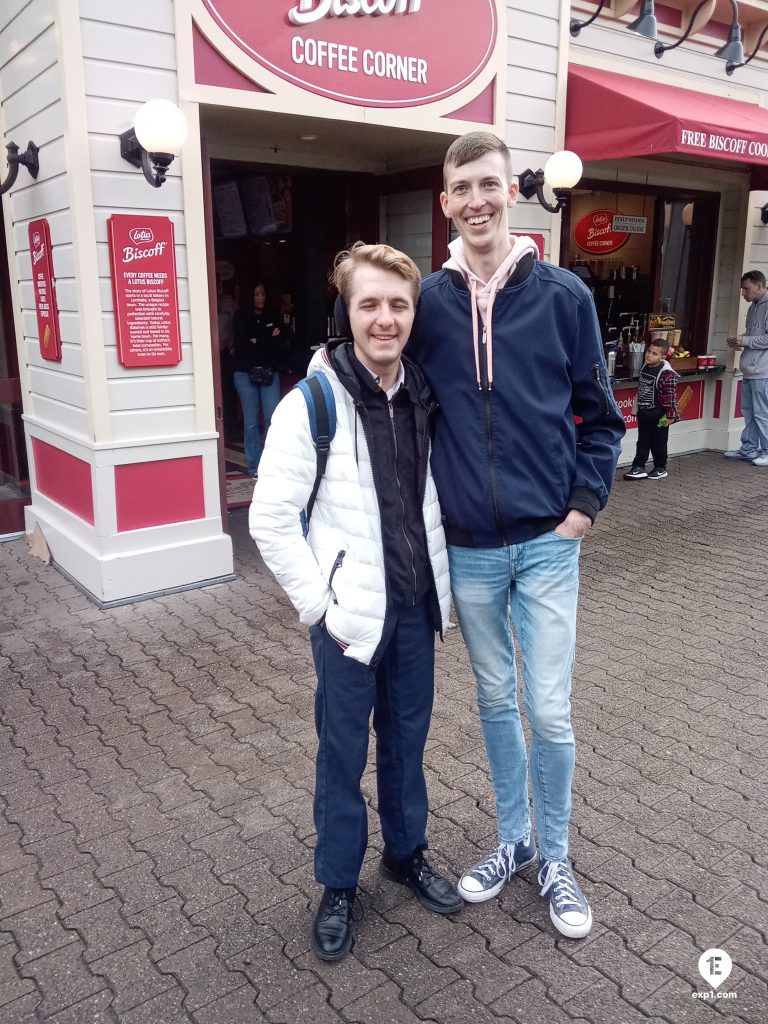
31, 108
129, 56
534, 98
407, 224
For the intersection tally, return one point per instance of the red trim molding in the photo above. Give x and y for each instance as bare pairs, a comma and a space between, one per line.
159, 493
64, 479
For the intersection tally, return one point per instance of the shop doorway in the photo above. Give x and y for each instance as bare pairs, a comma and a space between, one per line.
14, 475
279, 228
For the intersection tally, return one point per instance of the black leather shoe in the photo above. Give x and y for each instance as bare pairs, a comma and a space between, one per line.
332, 930
431, 890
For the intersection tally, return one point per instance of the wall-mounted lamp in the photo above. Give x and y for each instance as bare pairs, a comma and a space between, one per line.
644, 25
561, 172
158, 134
731, 66
732, 51
15, 159
686, 214
764, 214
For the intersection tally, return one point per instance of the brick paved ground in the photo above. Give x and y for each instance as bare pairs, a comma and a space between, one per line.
156, 772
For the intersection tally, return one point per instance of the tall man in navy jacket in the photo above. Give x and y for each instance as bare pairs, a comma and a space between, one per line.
512, 349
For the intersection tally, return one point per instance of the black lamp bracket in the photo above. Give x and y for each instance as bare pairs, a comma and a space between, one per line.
15, 159
154, 165
531, 183
731, 65
764, 214
576, 25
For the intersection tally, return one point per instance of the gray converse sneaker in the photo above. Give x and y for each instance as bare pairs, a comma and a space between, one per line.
568, 907
486, 879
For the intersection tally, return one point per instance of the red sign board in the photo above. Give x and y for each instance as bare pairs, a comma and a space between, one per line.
594, 233
690, 401
45, 290
143, 261
374, 53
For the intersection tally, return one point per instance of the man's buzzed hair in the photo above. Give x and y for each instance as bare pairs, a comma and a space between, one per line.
471, 147
755, 277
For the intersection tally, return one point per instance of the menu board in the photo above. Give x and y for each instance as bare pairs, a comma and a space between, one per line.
229, 210
143, 261
44, 285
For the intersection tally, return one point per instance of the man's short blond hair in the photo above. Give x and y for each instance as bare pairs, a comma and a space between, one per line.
471, 147
382, 256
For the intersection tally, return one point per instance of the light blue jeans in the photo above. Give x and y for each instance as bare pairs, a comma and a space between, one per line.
754, 408
251, 397
538, 581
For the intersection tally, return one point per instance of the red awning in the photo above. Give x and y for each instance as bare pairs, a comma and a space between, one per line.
612, 116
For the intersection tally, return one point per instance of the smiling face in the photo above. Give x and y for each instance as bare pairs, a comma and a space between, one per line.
476, 198
381, 311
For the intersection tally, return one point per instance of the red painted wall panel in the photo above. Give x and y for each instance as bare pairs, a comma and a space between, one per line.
737, 411
718, 399
64, 479
159, 493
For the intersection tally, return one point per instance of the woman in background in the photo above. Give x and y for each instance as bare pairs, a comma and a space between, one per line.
259, 352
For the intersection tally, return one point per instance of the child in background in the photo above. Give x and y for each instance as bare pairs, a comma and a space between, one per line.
656, 409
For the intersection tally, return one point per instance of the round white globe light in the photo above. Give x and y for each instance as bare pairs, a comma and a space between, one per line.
686, 214
563, 169
160, 127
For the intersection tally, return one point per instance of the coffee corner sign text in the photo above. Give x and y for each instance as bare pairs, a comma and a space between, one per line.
605, 231
378, 53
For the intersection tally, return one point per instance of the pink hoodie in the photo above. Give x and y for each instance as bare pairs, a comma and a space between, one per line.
484, 292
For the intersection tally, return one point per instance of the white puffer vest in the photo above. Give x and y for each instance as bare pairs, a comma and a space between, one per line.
345, 528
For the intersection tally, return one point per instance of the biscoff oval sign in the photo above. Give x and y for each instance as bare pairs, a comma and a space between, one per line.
373, 53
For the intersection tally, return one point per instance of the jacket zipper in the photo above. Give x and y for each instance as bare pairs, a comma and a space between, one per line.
360, 411
402, 503
489, 437
336, 565
599, 381
424, 451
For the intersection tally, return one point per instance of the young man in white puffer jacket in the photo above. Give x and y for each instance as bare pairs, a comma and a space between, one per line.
370, 579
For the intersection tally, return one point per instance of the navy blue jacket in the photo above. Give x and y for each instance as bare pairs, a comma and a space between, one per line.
509, 461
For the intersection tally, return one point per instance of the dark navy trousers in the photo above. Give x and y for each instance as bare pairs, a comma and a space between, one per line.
399, 691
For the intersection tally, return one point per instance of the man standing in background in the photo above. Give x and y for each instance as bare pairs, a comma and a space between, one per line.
753, 345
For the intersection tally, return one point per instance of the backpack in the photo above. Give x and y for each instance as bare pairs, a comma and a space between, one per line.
321, 408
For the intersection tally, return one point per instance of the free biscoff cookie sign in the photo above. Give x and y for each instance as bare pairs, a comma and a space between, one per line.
375, 53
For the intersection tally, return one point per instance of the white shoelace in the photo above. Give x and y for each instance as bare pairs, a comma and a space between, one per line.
557, 876
494, 863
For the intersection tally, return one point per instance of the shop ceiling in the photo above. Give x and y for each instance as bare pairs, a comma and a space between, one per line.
266, 137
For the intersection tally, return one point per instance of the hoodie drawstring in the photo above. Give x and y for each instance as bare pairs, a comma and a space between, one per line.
489, 331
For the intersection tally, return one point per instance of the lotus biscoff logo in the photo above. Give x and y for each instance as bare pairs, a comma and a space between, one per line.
600, 219
141, 235
36, 238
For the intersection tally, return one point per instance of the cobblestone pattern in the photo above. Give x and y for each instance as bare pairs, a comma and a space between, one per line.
156, 772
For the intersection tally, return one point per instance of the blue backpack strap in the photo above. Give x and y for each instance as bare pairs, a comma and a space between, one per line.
321, 409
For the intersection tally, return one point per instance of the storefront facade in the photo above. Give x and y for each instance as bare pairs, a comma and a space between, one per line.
309, 126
